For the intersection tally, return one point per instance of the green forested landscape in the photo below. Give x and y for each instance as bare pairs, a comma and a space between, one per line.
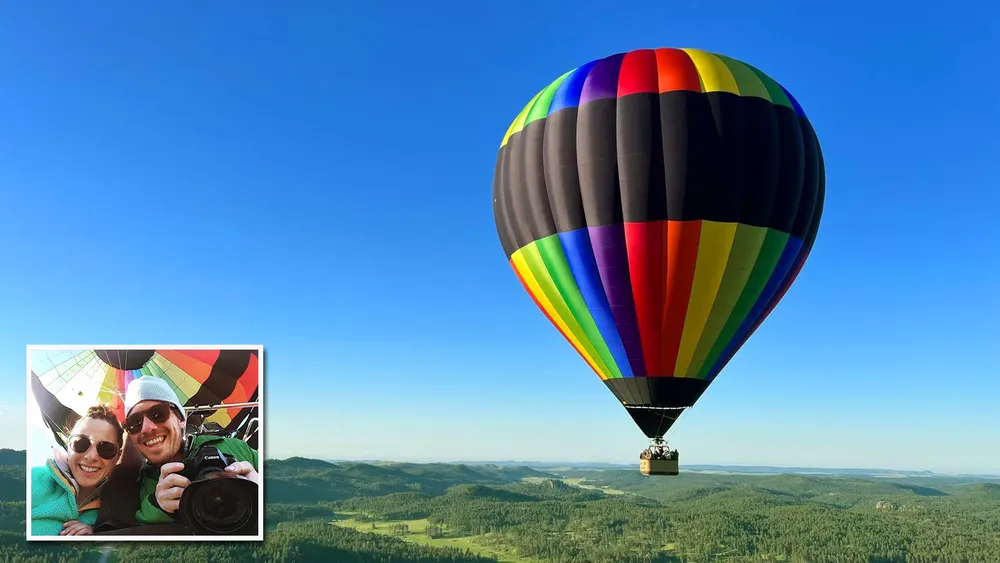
357, 512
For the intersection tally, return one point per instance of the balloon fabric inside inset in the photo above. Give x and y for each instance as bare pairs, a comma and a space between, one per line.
66, 383
656, 205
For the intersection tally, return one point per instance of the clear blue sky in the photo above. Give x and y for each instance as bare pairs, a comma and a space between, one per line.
317, 178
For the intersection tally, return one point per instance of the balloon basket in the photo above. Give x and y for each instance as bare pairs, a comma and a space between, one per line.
658, 466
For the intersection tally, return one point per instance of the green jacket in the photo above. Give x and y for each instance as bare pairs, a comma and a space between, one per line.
53, 499
149, 511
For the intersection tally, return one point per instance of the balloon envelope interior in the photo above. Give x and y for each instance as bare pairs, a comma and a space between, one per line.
66, 383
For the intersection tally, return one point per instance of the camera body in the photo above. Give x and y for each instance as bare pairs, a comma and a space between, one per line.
205, 461
217, 502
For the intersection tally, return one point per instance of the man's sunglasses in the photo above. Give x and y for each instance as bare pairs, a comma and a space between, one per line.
81, 444
157, 414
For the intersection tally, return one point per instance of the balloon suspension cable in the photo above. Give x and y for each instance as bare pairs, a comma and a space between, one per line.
115, 391
668, 413
221, 406
57, 430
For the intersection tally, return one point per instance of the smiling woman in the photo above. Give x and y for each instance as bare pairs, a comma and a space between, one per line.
65, 492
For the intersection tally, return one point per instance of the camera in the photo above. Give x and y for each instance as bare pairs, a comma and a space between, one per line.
217, 501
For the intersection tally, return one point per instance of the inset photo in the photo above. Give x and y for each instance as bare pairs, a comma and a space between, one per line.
145, 443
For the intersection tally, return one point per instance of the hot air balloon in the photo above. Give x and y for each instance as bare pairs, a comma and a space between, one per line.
217, 387
656, 205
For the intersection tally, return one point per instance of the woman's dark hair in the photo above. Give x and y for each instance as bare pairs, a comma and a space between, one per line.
103, 412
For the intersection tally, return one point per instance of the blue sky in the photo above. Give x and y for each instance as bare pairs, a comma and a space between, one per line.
317, 179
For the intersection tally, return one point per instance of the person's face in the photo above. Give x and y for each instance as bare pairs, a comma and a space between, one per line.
158, 442
89, 467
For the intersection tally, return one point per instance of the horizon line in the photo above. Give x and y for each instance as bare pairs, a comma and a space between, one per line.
991, 473
580, 463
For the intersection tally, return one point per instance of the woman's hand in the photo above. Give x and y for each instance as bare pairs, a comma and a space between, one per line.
76, 528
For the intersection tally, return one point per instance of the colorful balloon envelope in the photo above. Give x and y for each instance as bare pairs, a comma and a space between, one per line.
657, 205
66, 382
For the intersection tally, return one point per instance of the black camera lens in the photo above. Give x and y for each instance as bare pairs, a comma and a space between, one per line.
207, 471
222, 505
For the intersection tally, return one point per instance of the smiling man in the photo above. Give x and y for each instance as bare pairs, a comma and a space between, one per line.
154, 421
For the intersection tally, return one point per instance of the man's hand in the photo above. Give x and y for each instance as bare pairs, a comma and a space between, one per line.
76, 528
170, 487
245, 468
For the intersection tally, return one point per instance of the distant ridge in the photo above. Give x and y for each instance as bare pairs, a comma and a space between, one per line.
18, 457
747, 469
13, 457
810, 470
306, 463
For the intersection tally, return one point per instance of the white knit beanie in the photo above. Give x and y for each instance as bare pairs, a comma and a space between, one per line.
149, 388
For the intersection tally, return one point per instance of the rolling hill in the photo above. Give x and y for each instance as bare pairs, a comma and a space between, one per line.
368, 512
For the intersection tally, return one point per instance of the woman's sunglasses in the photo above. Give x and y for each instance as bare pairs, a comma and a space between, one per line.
81, 444
156, 414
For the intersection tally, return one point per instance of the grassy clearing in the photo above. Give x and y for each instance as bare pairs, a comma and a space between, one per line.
416, 533
582, 483
579, 482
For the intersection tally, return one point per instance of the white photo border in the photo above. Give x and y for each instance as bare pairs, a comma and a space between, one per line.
152, 538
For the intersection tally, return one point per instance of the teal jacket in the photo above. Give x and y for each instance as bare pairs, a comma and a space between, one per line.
149, 511
53, 499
